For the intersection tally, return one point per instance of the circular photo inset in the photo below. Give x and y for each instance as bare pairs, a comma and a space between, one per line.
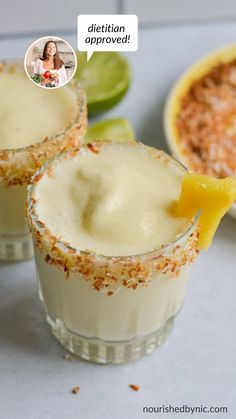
50, 62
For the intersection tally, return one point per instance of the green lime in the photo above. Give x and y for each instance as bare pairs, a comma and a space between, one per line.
119, 129
105, 79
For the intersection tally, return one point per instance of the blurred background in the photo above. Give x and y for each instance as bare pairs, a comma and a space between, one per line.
21, 17
197, 365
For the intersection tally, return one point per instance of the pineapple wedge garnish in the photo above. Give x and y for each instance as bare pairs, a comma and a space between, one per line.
213, 197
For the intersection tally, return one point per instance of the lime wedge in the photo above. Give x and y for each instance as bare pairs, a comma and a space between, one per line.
105, 79
119, 129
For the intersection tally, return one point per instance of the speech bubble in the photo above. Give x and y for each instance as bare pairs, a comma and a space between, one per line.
107, 33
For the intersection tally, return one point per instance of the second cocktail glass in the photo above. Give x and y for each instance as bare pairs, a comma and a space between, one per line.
18, 164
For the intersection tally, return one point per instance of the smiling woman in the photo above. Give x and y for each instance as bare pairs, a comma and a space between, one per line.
51, 66
50, 62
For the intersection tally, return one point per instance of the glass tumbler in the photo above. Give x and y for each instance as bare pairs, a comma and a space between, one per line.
17, 167
109, 309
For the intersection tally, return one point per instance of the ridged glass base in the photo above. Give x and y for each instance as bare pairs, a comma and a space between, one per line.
16, 247
104, 352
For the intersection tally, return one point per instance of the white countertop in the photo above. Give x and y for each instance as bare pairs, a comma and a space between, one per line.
196, 366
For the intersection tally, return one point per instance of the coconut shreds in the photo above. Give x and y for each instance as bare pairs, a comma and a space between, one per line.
106, 273
134, 387
206, 122
75, 390
18, 165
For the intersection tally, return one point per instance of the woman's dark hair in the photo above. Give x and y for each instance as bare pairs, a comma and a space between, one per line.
58, 63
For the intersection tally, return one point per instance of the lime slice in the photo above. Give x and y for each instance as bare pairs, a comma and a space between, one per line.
105, 79
119, 129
